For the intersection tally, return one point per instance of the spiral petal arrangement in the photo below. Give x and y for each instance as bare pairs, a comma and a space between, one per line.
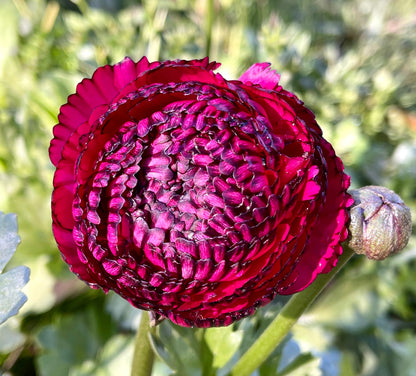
192, 196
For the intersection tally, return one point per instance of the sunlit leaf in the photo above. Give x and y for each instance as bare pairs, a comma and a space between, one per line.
115, 358
40, 290
359, 307
9, 34
223, 343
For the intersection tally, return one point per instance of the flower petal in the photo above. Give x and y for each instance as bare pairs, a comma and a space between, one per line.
261, 74
92, 97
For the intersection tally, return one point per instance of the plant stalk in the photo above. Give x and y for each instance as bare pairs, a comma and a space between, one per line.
208, 26
143, 355
284, 321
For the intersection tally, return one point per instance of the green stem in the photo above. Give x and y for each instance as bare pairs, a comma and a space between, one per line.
143, 355
281, 325
209, 22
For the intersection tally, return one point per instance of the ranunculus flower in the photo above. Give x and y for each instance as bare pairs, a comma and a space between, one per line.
192, 196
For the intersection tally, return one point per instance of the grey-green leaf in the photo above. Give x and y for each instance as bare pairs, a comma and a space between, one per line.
11, 298
11, 282
8, 238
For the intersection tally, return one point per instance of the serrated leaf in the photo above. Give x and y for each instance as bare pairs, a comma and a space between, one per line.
11, 298
8, 238
11, 282
223, 343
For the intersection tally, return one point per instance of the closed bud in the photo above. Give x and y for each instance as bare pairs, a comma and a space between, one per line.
380, 224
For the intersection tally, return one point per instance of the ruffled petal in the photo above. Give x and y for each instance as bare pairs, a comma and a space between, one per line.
261, 74
324, 244
174, 71
92, 99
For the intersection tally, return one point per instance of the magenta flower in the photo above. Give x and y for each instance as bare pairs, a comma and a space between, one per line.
192, 196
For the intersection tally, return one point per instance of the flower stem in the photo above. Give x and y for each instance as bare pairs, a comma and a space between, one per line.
281, 325
208, 27
143, 355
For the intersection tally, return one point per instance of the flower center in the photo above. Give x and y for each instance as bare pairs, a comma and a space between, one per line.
188, 192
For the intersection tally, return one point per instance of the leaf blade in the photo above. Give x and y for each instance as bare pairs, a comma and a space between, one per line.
8, 238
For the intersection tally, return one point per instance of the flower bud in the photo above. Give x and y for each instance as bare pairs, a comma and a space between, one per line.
380, 224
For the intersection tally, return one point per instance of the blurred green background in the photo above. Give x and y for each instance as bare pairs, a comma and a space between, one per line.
353, 62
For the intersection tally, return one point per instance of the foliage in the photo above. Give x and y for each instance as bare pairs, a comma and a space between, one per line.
12, 281
349, 61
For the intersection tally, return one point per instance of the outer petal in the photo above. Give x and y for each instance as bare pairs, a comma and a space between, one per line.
173, 72
324, 244
92, 98
261, 74
110, 83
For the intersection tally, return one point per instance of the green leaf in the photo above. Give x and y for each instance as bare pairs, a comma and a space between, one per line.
293, 362
180, 348
40, 290
114, 359
72, 340
347, 365
11, 282
223, 343
122, 312
305, 364
359, 307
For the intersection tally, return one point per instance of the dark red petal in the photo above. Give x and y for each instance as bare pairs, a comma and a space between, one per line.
324, 245
92, 97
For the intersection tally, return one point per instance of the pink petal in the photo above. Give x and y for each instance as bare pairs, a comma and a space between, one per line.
261, 74
140, 232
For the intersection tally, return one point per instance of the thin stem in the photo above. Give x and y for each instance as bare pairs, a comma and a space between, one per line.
143, 355
209, 22
281, 325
